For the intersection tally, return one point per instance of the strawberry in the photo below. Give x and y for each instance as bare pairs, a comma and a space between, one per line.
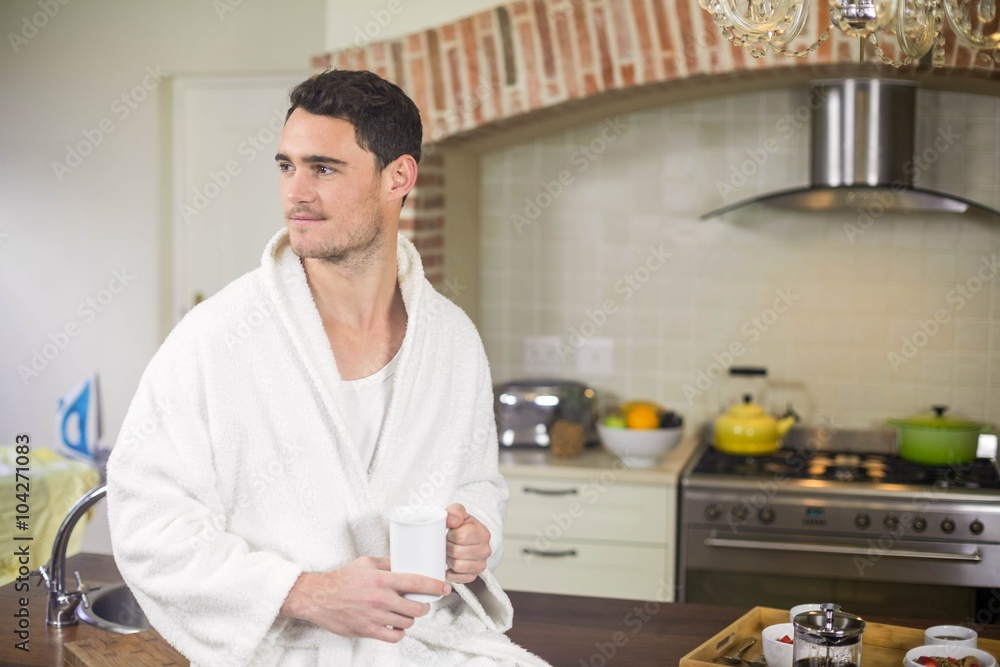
927, 661
786, 640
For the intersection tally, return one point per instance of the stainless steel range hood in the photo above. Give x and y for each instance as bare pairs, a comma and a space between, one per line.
862, 155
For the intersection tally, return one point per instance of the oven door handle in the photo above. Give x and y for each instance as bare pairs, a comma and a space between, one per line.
812, 547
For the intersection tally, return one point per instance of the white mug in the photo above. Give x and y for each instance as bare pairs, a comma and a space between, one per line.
417, 538
950, 635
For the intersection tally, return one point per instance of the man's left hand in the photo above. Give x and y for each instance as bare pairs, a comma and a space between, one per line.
468, 545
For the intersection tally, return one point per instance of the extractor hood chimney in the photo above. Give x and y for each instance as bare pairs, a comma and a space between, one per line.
862, 154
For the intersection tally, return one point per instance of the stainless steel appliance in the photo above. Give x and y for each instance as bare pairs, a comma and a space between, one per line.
836, 515
527, 410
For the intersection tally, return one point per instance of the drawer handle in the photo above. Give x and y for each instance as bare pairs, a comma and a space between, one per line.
550, 492
569, 553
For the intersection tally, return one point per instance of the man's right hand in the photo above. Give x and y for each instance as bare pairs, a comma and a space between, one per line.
361, 599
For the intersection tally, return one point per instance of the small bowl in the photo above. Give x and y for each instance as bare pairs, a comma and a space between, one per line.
802, 609
639, 447
938, 651
950, 635
778, 653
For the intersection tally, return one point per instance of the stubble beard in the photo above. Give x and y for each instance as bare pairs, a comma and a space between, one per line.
362, 249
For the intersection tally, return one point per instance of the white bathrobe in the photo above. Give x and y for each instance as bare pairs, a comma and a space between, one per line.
235, 471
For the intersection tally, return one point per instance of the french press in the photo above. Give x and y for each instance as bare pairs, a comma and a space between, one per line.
827, 638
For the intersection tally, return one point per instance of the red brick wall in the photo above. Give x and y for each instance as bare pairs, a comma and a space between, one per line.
532, 54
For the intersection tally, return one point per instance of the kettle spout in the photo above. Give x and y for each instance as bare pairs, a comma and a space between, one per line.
784, 424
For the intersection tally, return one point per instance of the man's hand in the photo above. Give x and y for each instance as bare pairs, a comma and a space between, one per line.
468, 545
361, 599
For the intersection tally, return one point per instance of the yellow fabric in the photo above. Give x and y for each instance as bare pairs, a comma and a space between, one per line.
54, 484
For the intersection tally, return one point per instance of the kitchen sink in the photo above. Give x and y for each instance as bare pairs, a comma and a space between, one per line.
114, 608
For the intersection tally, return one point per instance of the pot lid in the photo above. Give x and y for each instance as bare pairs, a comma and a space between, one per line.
938, 422
746, 409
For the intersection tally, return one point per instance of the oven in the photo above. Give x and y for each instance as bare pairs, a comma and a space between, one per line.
836, 516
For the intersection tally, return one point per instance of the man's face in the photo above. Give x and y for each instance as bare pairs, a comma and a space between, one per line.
330, 191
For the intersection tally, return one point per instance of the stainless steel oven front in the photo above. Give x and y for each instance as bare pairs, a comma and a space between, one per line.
775, 541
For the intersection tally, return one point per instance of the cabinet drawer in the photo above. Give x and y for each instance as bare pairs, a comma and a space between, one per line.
585, 568
557, 509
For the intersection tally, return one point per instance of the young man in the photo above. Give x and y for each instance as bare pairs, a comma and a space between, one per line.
248, 491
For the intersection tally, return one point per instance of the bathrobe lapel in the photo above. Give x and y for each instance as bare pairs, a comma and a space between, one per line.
300, 318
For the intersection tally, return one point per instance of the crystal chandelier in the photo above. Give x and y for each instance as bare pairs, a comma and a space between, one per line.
771, 25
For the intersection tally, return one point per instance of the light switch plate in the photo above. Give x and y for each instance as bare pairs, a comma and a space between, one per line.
596, 358
541, 356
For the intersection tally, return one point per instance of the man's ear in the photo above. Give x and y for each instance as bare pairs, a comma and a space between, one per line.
401, 175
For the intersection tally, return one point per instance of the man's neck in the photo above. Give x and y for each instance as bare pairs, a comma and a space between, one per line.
362, 312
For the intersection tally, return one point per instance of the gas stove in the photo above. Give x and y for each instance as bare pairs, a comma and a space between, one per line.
838, 507
868, 469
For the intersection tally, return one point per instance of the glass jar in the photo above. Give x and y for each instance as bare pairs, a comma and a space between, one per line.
827, 638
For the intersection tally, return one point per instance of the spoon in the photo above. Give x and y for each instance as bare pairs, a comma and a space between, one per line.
761, 662
737, 657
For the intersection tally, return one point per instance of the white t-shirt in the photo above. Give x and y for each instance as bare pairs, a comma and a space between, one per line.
367, 401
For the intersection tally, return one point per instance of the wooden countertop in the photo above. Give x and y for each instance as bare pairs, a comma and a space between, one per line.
596, 460
565, 630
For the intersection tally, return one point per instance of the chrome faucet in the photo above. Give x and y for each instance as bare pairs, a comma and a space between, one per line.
62, 604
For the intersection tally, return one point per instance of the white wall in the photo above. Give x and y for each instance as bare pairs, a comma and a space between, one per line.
63, 236
362, 22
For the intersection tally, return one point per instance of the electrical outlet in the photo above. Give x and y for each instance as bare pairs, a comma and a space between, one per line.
541, 356
596, 358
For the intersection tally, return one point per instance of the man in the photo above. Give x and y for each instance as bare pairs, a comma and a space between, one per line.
248, 492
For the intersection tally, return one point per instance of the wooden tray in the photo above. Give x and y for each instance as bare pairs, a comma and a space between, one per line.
882, 645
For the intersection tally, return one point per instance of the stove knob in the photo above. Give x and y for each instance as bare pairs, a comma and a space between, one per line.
890, 522
920, 524
740, 512
862, 520
948, 526
766, 515
713, 511
976, 527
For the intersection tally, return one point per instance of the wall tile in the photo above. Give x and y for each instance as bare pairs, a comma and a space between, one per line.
860, 341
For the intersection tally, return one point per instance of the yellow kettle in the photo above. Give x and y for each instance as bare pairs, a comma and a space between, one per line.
748, 430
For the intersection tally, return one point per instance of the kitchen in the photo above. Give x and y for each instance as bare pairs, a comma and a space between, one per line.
863, 293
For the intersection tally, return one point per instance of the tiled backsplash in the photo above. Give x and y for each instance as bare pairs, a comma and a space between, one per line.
856, 319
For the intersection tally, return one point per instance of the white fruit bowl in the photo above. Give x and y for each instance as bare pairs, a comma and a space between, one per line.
776, 652
984, 658
639, 447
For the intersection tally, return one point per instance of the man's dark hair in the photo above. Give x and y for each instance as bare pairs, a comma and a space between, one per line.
386, 122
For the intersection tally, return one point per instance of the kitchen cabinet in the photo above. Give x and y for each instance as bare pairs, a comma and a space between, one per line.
590, 526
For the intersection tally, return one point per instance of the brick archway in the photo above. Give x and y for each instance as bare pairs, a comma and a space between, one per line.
533, 55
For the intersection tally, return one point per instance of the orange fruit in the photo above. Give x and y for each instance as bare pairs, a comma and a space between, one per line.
642, 416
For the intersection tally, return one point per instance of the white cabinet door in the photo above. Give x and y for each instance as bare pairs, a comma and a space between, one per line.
550, 509
586, 567
224, 203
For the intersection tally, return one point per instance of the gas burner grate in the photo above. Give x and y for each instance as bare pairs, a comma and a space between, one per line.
852, 467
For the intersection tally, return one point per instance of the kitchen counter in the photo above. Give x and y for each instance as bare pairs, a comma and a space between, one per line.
595, 460
565, 630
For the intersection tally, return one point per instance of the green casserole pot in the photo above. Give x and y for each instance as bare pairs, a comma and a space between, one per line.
937, 440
